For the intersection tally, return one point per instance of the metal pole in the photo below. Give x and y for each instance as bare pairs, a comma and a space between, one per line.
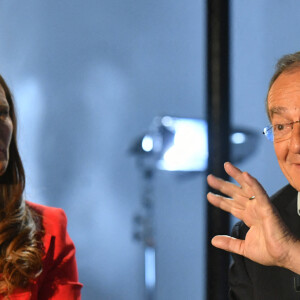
148, 237
218, 112
143, 232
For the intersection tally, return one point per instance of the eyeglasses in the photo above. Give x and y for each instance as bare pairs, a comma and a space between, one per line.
279, 132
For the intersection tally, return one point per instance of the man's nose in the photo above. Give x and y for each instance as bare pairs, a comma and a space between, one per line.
294, 145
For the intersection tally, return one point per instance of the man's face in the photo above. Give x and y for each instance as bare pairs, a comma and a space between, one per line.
284, 107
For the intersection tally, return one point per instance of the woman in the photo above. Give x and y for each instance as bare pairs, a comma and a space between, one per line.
37, 256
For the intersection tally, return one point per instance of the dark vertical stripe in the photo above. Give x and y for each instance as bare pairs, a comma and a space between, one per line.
218, 116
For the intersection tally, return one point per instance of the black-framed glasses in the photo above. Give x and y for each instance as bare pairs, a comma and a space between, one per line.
279, 132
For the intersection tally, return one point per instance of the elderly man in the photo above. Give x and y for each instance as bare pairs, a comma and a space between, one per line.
266, 245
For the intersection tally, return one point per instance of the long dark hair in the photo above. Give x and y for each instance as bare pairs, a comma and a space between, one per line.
20, 230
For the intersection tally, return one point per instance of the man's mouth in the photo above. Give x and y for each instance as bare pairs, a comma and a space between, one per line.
296, 164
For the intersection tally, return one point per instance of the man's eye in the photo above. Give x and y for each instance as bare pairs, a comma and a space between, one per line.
280, 127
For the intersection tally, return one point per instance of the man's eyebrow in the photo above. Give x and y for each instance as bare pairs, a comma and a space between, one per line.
277, 110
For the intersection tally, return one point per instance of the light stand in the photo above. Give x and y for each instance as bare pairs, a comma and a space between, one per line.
143, 232
178, 145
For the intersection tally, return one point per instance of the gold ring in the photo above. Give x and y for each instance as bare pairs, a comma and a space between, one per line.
251, 198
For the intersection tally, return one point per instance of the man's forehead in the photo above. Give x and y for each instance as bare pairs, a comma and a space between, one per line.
284, 94
283, 111
288, 78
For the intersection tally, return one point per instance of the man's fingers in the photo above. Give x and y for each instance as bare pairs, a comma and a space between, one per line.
225, 187
228, 188
258, 191
235, 173
227, 204
250, 184
229, 244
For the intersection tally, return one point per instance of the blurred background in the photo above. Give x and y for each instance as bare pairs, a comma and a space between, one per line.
88, 78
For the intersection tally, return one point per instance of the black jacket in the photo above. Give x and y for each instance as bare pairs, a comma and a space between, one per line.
251, 281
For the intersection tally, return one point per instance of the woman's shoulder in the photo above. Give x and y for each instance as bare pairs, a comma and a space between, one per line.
60, 275
54, 219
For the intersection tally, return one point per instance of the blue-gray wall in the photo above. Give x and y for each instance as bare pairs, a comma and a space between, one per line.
88, 78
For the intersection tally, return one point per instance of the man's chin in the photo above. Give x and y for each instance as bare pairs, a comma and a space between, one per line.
295, 184
292, 174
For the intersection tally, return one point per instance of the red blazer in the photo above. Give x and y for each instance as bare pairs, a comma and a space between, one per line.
59, 279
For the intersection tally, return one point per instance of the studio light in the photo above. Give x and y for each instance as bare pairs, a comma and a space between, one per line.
187, 149
181, 144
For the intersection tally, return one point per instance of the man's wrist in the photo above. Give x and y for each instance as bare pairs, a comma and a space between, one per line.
293, 260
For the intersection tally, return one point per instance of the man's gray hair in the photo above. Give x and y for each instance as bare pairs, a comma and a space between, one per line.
287, 62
